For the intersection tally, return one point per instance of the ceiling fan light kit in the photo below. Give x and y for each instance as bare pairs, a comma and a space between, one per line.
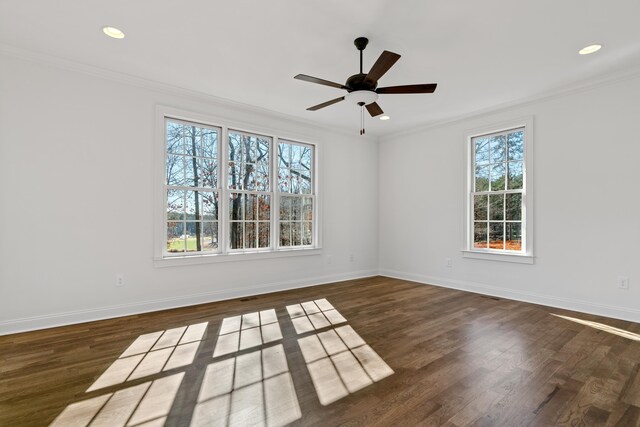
363, 88
362, 97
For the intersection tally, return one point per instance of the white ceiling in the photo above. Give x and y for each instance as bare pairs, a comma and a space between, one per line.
481, 53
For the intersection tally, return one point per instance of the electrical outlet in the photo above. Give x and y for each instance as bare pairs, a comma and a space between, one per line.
329, 260
119, 280
352, 258
623, 282
449, 263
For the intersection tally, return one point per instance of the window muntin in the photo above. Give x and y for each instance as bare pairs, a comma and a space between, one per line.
498, 191
191, 187
296, 194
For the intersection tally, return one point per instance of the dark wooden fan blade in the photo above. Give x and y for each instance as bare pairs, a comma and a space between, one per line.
374, 109
382, 65
318, 81
325, 104
425, 88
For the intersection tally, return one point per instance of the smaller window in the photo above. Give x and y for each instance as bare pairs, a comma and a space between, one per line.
498, 196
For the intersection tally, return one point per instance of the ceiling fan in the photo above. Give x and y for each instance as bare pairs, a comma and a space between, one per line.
363, 88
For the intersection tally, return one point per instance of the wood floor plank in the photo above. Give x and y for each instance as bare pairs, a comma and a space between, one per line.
458, 359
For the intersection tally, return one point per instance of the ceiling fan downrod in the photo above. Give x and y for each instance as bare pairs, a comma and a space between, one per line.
361, 43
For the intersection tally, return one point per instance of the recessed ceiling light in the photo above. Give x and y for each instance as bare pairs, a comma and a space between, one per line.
113, 32
384, 117
590, 49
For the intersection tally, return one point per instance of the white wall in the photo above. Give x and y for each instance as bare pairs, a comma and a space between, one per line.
586, 211
76, 207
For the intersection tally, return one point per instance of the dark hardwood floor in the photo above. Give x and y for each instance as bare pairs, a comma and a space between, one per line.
458, 359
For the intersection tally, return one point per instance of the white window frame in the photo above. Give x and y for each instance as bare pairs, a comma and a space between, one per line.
280, 194
162, 258
525, 256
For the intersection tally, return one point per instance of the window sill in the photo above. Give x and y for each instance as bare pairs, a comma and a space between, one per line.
230, 257
494, 256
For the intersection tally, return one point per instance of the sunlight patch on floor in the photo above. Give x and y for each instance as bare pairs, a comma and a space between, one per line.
253, 388
247, 331
313, 315
340, 362
153, 353
145, 404
601, 326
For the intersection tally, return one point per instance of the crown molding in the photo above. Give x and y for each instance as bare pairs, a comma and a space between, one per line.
154, 85
559, 92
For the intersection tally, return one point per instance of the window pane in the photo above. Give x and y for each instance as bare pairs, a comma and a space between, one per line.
235, 161
250, 237
305, 163
296, 155
516, 145
193, 205
305, 182
262, 176
174, 167
296, 208
236, 235
264, 234
496, 207
209, 173
514, 236
174, 138
192, 143
285, 208
498, 148
285, 234
307, 209
175, 236
307, 233
209, 143
250, 206
284, 180
210, 236
480, 235
482, 178
209, 202
497, 177
175, 204
496, 235
284, 155
296, 233
481, 147
264, 207
514, 206
234, 182
235, 206
193, 236
480, 207
192, 172
296, 181
515, 175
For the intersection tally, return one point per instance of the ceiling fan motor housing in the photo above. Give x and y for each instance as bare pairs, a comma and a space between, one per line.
360, 82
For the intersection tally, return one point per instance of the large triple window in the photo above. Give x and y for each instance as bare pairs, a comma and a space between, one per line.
231, 191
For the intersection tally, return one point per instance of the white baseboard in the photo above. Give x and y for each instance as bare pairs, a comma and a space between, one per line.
622, 313
13, 326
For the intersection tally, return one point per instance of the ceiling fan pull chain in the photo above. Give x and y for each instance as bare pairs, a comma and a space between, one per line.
362, 119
